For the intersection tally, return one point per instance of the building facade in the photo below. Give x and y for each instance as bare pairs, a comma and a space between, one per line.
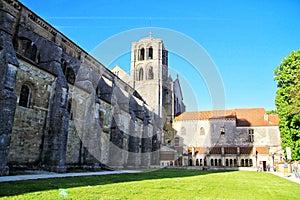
61, 108
231, 138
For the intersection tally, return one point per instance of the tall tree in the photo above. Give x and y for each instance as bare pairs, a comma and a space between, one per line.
287, 102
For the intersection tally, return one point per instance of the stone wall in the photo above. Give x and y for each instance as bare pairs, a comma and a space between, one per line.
62, 108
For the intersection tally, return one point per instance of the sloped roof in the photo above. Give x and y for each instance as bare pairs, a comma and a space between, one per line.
243, 116
199, 150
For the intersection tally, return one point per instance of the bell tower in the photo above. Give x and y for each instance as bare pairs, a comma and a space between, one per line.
149, 72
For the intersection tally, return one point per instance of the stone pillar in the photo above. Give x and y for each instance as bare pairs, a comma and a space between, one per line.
8, 99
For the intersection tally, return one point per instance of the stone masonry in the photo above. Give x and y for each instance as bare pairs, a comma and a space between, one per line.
60, 108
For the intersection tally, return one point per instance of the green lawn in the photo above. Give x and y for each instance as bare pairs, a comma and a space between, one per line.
160, 184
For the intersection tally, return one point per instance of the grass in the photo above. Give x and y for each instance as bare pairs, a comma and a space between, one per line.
160, 184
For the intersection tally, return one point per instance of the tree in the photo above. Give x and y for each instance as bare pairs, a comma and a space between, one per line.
287, 102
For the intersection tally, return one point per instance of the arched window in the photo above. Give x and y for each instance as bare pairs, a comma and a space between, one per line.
242, 162
246, 163
141, 74
150, 53
201, 162
202, 131
227, 163
25, 96
250, 163
216, 162
150, 73
231, 162
211, 162
220, 162
197, 162
142, 54
234, 162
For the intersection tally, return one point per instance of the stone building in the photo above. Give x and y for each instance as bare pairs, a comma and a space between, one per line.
231, 138
61, 108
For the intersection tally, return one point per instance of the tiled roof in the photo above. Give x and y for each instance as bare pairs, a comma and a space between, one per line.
262, 150
229, 150
200, 150
246, 150
243, 116
215, 150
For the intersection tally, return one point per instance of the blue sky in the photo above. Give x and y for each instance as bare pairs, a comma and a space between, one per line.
245, 39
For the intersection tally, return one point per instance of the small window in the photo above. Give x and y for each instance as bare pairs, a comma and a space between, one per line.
142, 54
220, 162
211, 162
242, 163
150, 53
251, 135
25, 96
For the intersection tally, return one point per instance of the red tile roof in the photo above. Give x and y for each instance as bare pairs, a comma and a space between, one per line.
262, 150
244, 116
200, 150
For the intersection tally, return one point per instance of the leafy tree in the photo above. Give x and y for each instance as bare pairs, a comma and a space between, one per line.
287, 102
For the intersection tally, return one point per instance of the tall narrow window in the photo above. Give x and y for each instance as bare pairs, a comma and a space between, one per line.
150, 73
141, 74
142, 54
251, 135
150, 53
24, 100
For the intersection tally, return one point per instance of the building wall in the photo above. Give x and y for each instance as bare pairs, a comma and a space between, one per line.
29, 122
205, 134
77, 112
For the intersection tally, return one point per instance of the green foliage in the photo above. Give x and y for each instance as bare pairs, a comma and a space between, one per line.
269, 112
160, 184
287, 102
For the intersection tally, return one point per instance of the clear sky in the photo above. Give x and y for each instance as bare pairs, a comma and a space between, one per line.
245, 39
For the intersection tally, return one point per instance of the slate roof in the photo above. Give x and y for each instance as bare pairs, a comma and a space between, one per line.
243, 116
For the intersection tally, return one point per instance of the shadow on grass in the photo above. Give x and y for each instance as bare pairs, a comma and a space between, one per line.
21, 187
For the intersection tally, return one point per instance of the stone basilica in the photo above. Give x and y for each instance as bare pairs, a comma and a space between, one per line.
60, 108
